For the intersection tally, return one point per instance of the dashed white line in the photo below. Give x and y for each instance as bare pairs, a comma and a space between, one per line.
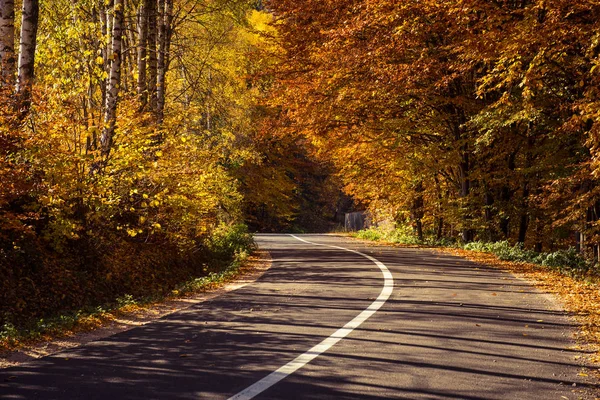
303, 359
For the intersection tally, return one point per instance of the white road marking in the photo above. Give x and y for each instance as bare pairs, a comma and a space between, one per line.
303, 359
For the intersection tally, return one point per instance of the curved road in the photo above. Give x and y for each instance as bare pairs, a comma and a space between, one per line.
449, 329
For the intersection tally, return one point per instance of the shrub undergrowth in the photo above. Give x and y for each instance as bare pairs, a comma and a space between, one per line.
401, 235
567, 261
156, 274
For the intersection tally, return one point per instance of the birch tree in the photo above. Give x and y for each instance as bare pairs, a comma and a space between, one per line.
142, 86
112, 92
29, 27
7, 41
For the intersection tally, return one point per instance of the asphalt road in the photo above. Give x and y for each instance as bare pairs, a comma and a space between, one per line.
449, 330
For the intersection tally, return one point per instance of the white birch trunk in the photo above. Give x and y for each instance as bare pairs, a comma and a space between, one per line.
109, 28
7, 41
112, 92
29, 26
142, 85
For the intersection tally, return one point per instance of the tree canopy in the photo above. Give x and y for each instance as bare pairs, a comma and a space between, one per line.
471, 116
138, 136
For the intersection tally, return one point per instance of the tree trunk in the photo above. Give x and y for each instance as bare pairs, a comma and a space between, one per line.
151, 50
169, 31
524, 220
524, 223
7, 41
187, 100
109, 28
164, 39
439, 220
489, 215
104, 49
418, 210
465, 188
124, 64
440, 228
505, 219
505, 196
207, 102
29, 27
142, 85
160, 61
112, 92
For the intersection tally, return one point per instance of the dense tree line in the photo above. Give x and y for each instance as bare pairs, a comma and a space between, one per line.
124, 127
139, 130
468, 119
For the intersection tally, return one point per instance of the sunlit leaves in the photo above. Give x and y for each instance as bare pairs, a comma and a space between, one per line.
484, 103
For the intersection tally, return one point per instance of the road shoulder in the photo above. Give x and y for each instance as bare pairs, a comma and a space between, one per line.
580, 300
252, 269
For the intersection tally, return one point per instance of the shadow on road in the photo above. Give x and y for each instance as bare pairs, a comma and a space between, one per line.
425, 342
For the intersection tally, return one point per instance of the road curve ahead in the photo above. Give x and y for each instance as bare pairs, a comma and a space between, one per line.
328, 322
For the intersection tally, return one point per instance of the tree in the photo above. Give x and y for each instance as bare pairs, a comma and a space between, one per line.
114, 79
142, 53
466, 112
85, 181
29, 28
165, 32
7, 41
152, 54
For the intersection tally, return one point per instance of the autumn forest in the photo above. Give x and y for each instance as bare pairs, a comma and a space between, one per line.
142, 140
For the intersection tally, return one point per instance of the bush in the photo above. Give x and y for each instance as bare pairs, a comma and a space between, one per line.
505, 251
566, 259
401, 235
516, 253
478, 246
569, 261
369, 234
228, 243
119, 273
